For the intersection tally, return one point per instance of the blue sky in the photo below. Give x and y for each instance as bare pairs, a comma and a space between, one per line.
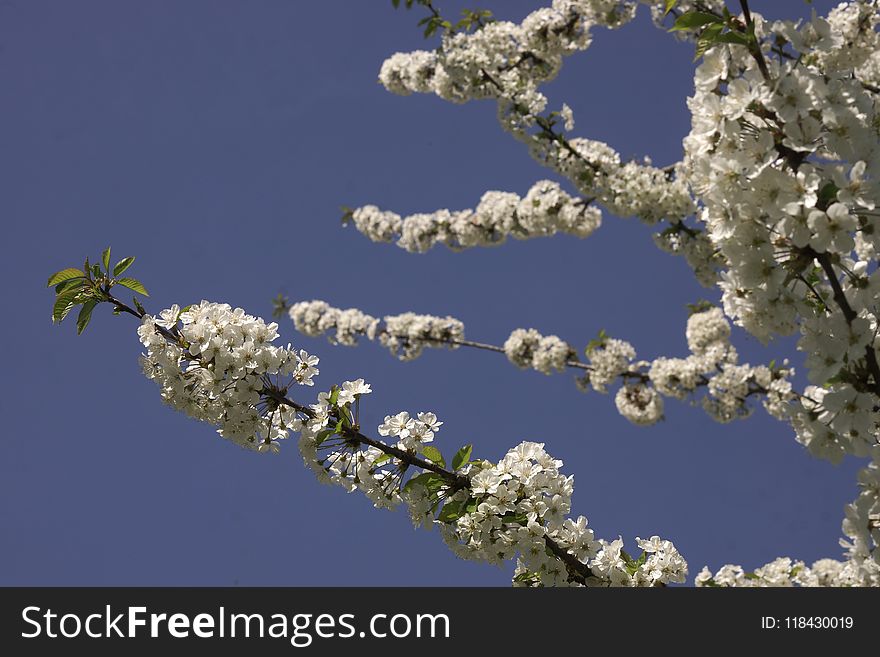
216, 141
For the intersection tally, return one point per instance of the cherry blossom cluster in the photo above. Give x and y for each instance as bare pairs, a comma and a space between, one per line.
695, 247
783, 572
515, 506
786, 167
852, 29
527, 348
659, 564
327, 448
626, 189
315, 318
503, 55
783, 171
508, 62
215, 364
545, 210
712, 366
835, 421
861, 526
405, 335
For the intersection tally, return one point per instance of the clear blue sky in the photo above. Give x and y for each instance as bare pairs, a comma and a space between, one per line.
216, 141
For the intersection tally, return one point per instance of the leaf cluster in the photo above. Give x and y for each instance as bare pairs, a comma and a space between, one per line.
89, 286
712, 28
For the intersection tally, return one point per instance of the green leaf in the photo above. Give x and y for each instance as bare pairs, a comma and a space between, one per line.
122, 265
670, 5
595, 343
382, 459
347, 214
430, 480
694, 19
105, 258
334, 395
133, 284
515, 518
733, 37
707, 39
450, 511
462, 456
528, 577
632, 565
85, 315
345, 416
827, 195
434, 454
64, 303
137, 304
323, 435
700, 306
64, 275
69, 284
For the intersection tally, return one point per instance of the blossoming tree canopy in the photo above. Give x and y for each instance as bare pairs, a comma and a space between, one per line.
773, 205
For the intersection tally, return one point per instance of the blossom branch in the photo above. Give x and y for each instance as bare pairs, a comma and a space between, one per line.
352, 433
711, 366
578, 571
191, 356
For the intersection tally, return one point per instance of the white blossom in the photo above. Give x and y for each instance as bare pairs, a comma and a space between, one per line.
219, 376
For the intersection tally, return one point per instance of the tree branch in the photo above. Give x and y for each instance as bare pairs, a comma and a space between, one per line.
754, 46
577, 571
849, 314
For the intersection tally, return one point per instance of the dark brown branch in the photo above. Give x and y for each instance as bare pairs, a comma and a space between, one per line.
576, 570
123, 307
459, 481
849, 314
754, 46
